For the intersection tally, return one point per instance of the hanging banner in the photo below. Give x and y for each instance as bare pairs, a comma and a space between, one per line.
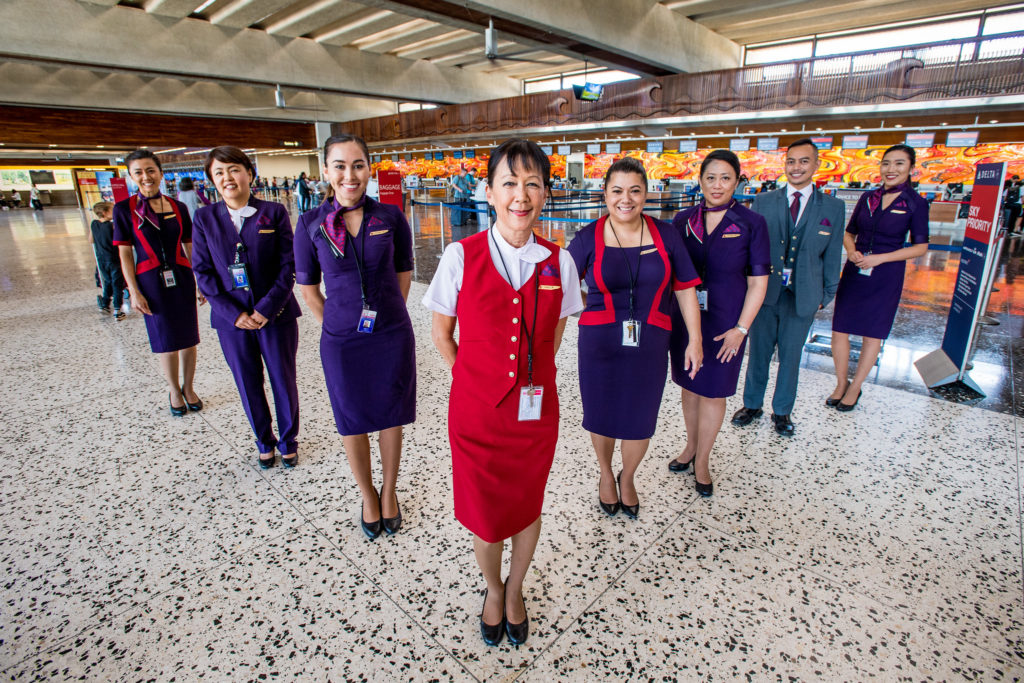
946, 365
390, 185
119, 188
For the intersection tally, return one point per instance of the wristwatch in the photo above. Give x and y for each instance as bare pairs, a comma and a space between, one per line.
742, 329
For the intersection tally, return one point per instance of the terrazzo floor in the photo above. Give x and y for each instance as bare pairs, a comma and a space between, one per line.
880, 544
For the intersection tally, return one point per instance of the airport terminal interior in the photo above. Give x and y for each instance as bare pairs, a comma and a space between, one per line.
880, 543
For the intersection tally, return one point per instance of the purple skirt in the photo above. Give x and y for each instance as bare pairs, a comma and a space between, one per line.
174, 324
866, 305
622, 386
715, 379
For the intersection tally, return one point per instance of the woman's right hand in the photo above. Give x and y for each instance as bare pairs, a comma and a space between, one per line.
856, 257
139, 303
244, 321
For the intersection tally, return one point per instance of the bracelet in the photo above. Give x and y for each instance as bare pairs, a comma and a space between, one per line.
742, 329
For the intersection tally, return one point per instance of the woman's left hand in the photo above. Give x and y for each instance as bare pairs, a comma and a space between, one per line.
693, 357
731, 340
258, 318
870, 261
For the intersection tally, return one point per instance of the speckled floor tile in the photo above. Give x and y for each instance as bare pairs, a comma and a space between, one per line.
292, 608
701, 606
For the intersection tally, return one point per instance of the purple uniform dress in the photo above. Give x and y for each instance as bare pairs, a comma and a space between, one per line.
371, 378
158, 240
264, 246
622, 385
866, 304
737, 248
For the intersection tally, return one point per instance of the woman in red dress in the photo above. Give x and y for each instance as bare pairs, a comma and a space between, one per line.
510, 292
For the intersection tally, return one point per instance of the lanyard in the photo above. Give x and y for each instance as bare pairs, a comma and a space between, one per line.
536, 304
633, 277
359, 261
165, 264
239, 250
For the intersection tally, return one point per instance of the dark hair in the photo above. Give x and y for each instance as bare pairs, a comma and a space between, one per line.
142, 153
801, 142
906, 149
520, 152
343, 138
186, 184
102, 207
721, 155
627, 165
228, 155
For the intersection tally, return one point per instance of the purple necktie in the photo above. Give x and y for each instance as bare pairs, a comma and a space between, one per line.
794, 208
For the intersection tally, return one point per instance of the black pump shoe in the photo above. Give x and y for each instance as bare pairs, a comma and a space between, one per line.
675, 466
630, 511
371, 529
844, 408
610, 509
833, 402
705, 490
194, 407
392, 524
517, 633
267, 463
290, 462
491, 633
175, 411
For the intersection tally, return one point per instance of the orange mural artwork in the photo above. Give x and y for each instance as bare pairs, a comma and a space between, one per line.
938, 164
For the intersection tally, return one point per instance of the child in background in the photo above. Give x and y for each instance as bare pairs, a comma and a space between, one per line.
108, 261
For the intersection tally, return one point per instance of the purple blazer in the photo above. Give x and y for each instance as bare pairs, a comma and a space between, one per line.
268, 255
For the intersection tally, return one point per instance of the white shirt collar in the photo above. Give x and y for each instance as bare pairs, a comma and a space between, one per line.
804, 192
531, 252
238, 216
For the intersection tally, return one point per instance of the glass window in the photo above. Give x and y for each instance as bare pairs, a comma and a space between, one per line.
909, 35
1004, 23
778, 53
1001, 47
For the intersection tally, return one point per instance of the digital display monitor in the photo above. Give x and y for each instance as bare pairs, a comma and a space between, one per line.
767, 144
547, 149
920, 139
613, 147
593, 148
962, 139
855, 142
565, 150
823, 142
688, 145
655, 147
588, 92
739, 144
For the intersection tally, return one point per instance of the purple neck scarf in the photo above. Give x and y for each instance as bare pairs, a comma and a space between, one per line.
334, 224
144, 211
696, 221
875, 196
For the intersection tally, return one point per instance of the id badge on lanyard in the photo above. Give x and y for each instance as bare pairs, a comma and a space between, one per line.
367, 319
702, 299
239, 276
787, 275
530, 400
168, 277
631, 333
866, 271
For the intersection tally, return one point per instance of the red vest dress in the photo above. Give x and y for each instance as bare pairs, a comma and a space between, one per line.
500, 465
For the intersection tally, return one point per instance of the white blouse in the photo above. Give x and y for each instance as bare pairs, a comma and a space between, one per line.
443, 293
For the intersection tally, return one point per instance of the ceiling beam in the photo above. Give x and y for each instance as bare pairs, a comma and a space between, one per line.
64, 31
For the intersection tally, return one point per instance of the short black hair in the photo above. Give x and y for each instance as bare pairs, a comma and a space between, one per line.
627, 165
142, 153
186, 184
520, 153
721, 155
906, 149
801, 142
341, 139
227, 154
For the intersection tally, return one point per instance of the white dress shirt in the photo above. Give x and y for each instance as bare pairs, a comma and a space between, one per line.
238, 216
443, 293
805, 196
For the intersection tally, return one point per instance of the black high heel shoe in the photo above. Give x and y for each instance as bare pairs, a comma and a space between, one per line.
675, 466
372, 529
175, 411
194, 407
833, 402
610, 509
392, 524
630, 511
491, 633
290, 462
267, 463
517, 633
705, 490
844, 408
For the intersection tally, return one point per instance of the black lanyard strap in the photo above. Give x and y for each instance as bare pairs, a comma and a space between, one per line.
165, 263
359, 260
536, 304
633, 277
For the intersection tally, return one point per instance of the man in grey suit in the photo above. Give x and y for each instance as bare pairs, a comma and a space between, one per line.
805, 230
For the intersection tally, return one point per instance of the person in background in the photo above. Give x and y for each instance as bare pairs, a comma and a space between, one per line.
480, 200
362, 251
806, 239
510, 292
302, 191
743, 184
108, 262
37, 205
729, 246
872, 281
188, 196
1011, 203
323, 191
16, 199
638, 274
244, 264
461, 193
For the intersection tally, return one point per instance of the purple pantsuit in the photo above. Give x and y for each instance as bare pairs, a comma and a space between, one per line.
371, 377
738, 247
158, 240
622, 386
866, 304
266, 250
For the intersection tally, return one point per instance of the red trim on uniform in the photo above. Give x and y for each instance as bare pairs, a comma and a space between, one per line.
122, 244
656, 317
678, 286
608, 314
152, 261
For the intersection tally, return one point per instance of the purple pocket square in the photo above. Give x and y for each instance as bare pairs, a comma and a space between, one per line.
549, 271
732, 228
826, 223
263, 220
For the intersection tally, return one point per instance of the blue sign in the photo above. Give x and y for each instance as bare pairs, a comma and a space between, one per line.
739, 144
565, 150
767, 144
656, 147
457, 154
688, 145
613, 147
470, 153
547, 149
594, 148
438, 156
